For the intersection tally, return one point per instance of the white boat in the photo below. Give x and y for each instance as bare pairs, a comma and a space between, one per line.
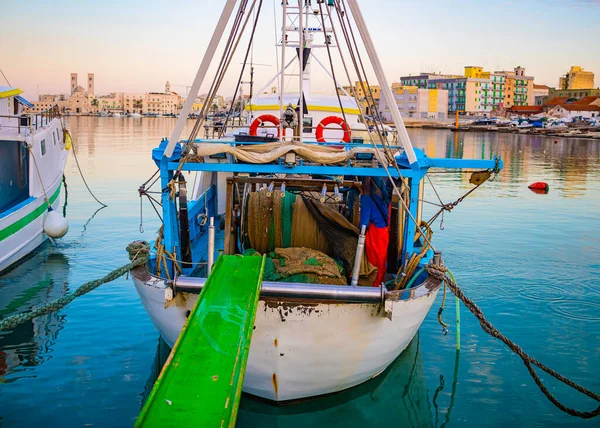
34, 150
309, 338
115, 114
135, 115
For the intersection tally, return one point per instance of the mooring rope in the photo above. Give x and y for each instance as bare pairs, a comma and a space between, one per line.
138, 254
440, 272
66, 133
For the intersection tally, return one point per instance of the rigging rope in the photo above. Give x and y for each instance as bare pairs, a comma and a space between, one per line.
441, 273
138, 254
66, 133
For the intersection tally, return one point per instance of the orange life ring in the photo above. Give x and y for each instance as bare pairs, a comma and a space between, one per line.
329, 120
262, 119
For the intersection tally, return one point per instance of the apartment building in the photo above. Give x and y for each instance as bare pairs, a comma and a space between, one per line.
576, 78
416, 103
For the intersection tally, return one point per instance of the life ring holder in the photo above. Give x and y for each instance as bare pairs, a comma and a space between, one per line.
262, 119
328, 121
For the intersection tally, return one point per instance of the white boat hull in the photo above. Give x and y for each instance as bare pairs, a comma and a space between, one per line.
305, 348
31, 235
21, 226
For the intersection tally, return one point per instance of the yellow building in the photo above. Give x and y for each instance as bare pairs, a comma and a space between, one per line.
576, 78
363, 101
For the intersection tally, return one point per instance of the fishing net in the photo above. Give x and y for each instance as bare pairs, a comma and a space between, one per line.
276, 223
301, 265
270, 220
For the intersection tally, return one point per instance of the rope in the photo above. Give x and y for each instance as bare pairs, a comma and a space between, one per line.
40, 177
440, 272
79, 168
406, 273
138, 254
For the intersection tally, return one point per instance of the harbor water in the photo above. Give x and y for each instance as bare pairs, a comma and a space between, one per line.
530, 261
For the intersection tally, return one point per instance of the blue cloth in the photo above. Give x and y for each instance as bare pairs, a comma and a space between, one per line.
373, 210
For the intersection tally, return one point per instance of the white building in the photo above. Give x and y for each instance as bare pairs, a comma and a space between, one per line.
571, 111
416, 103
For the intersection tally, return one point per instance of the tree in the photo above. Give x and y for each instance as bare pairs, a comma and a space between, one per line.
138, 104
95, 103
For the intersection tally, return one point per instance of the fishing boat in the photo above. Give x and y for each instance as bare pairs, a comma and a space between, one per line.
34, 149
288, 185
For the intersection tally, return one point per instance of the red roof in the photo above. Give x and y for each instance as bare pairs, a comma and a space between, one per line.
526, 109
580, 107
586, 100
557, 101
540, 86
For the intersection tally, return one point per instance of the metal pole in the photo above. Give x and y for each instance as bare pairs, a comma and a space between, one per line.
296, 290
283, 67
200, 75
301, 73
360, 248
211, 244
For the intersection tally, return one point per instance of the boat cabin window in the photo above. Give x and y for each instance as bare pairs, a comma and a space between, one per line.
307, 125
14, 185
43, 147
54, 138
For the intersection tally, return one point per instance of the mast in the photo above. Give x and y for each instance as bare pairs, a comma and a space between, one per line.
386, 90
301, 69
283, 67
200, 75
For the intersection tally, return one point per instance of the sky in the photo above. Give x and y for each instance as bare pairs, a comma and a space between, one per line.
137, 45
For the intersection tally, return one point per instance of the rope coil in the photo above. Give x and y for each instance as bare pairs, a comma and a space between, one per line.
440, 272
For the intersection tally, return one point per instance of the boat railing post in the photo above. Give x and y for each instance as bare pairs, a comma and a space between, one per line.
211, 244
360, 248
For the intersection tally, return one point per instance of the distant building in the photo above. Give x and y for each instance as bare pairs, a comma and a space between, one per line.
416, 103
572, 93
73, 82
540, 92
525, 110
576, 78
90, 84
364, 100
464, 93
572, 111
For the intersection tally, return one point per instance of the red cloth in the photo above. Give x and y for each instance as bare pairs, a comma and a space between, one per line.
376, 248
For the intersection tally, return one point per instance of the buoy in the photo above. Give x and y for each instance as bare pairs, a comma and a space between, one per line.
55, 225
555, 141
539, 185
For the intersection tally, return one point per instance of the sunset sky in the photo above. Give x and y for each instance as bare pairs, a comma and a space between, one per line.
136, 45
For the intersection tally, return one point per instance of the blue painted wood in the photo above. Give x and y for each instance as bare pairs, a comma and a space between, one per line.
171, 224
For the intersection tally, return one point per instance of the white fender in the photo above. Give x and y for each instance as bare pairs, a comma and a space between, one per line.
55, 225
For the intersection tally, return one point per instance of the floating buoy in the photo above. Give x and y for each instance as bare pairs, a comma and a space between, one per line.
55, 225
555, 141
539, 187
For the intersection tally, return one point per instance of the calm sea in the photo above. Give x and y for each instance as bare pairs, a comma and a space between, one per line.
531, 262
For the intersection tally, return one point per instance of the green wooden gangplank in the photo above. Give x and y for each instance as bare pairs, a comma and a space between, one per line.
201, 382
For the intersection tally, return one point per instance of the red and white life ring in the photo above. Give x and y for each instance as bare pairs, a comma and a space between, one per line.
262, 119
329, 120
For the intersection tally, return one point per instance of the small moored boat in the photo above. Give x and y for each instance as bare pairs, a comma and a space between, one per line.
34, 149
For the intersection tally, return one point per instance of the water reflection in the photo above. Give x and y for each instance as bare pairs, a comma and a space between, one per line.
44, 277
569, 164
398, 397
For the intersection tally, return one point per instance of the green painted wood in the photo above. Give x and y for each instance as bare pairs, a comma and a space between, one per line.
201, 382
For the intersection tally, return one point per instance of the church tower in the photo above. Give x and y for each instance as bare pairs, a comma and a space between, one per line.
167, 88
